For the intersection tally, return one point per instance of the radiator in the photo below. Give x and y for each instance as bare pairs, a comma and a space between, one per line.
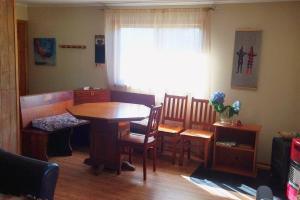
294, 172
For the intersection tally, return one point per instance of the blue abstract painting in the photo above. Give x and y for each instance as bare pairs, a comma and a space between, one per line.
44, 51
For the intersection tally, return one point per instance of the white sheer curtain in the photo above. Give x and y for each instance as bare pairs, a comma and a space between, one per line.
158, 50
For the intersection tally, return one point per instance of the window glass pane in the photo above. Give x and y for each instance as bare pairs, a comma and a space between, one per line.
161, 59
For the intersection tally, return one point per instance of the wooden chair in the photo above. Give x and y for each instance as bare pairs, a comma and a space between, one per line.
143, 142
173, 121
201, 128
137, 98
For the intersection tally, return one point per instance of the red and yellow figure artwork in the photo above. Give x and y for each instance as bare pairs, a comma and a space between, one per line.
251, 56
246, 59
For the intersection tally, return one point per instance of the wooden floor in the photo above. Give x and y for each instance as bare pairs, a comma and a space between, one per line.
76, 181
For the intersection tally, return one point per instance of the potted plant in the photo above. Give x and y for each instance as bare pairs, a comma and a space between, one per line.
226, 112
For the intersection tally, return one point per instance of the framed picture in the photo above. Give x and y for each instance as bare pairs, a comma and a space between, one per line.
99, 49
44, 51
246, 59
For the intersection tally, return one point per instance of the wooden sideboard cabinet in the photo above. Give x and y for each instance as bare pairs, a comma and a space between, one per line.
235, 148
91, 96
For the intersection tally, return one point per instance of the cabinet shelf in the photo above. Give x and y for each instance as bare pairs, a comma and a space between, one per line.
235, 148
237, 159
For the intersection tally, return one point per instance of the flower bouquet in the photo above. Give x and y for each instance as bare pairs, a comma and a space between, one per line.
226, 111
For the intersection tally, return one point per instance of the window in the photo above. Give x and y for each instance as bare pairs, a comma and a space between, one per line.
158, 59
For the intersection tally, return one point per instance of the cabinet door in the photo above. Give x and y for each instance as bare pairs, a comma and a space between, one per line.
91, 96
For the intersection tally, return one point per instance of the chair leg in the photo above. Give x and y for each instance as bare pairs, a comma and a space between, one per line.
189, 150
119, 159
206, 153
154, 158
130, 155
181, 151
161, 144
174, 152
145, 164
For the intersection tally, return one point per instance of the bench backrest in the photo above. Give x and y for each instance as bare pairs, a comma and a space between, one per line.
131, 97
43, 105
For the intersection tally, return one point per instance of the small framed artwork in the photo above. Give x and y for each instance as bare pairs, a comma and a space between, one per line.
99, 49
246, 59
44, 51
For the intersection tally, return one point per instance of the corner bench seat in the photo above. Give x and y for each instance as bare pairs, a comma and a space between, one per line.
57, 122
46, 125
40, 132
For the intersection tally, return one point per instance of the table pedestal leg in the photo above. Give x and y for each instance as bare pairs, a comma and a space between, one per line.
103, 145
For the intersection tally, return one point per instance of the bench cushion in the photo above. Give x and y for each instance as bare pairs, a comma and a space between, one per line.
57, 122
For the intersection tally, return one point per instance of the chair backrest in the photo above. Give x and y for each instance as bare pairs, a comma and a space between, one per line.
175, 108
153, 122
202, 114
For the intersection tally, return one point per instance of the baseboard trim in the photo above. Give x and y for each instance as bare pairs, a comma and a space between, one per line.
263, 166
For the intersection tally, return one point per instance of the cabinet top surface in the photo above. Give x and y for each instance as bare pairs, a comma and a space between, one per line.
244, 127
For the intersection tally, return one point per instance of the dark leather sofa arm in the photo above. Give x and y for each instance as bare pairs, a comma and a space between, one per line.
21, 175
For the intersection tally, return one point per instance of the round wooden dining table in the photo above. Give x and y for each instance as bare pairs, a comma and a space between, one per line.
104, 118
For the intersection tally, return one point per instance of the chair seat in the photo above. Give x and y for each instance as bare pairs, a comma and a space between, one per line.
170, 128
197, 133
136, 138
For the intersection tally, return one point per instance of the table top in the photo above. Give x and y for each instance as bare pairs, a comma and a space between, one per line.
112, 111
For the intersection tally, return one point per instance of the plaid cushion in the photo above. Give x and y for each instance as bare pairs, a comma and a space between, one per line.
57, 122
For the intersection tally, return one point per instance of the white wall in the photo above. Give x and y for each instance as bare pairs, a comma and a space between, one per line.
74, 67
21, 12
274, 103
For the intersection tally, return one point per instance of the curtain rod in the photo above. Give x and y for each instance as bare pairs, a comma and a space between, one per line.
105, 7
158, 4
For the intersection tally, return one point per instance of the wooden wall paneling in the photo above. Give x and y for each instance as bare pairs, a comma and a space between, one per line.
9, 134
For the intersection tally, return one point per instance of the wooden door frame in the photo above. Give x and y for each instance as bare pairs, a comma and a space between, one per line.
26, 54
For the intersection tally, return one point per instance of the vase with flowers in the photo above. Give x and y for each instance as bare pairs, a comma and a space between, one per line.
227, 112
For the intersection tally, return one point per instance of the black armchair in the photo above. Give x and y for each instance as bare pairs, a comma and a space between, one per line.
21, 175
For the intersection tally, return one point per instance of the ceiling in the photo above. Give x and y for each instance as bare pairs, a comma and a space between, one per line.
140, 2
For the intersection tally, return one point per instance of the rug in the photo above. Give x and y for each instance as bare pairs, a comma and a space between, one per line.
233, 186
